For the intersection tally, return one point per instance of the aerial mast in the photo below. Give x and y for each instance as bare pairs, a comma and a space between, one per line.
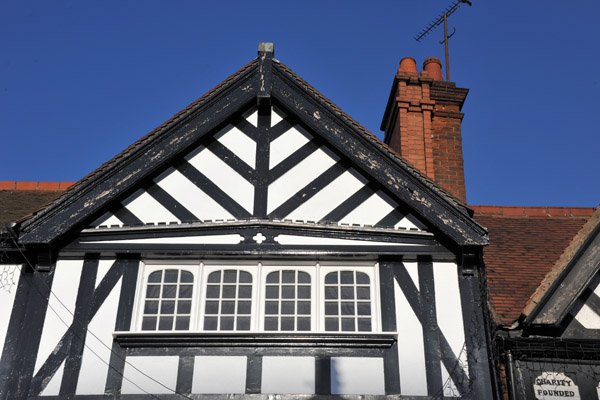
443, 17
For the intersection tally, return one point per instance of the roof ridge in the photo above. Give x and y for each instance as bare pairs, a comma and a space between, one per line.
36, 185
533, 211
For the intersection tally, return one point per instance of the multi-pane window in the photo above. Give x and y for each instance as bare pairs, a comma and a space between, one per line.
168, 303
287, 301
275, 297
228, 305
347, 301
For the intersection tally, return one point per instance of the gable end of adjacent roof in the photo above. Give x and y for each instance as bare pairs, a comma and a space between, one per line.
568, 278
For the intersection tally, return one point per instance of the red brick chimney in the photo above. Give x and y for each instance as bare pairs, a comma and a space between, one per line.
422, 123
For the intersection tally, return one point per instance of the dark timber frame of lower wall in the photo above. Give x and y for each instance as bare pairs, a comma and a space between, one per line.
17, 381
27, 321
24, 333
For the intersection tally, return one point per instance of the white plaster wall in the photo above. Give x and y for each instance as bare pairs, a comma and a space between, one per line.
411, 349
190, 196
240, 145
371, 211
98, 341
294, 375
285, 145
148, 374
147, 209
225, 177
326, 200
298, 177
357, 375
219, 374
9, 281
449, 309
61, 307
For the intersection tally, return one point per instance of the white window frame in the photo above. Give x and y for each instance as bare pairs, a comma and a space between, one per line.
311, 271
259, 271
207, 269
148, 268
372, 273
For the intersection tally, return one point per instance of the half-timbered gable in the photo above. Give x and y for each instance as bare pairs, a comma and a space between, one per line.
260, 242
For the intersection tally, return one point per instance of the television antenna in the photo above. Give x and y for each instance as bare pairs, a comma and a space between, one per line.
443, 17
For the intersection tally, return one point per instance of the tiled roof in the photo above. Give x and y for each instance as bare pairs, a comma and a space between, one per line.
525, 243
19, 199
565, 259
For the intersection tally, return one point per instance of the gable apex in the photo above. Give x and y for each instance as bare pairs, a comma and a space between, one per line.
150, 155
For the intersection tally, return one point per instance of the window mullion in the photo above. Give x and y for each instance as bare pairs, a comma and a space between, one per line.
259, 300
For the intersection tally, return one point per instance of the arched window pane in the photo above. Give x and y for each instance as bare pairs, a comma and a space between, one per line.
288, 301
167, 305
347, 302
228, 304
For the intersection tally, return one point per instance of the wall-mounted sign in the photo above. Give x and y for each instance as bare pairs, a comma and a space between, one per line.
555, 386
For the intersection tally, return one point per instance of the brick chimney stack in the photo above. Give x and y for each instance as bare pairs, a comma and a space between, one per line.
422, 122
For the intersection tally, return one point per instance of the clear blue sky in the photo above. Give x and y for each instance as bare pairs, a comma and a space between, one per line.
81, 80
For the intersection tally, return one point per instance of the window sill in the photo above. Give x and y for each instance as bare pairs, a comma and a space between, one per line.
255, 339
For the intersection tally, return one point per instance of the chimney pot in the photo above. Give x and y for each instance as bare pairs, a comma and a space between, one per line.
433, 67
408, 64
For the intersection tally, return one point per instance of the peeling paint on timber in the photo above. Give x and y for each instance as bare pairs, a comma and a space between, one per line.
418, 197
157, 155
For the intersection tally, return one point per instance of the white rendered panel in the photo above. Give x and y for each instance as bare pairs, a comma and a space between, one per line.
298, 177
159, 374
147, 209
357, 375
191, 197
53, 386
449, 308
103, 268
222, 175
326, 200
240, 144
219, 374
108, 219
285, 145
370, 211
312, 240
253, 118
275, 117
295, 375
413, 271
206, 239
411, 349
9, 281
59, 316
587, 317
98, 343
